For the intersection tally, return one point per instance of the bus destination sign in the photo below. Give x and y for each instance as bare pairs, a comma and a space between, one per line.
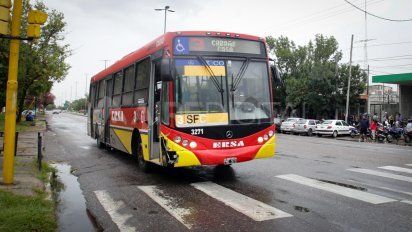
187, 45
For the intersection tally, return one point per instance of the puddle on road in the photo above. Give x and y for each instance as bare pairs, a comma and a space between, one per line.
301, 209
71, 208
345, 185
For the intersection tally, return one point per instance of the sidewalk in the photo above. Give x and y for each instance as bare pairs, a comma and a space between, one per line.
26, 174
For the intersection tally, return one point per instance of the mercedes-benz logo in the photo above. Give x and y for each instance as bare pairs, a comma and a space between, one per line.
229, 134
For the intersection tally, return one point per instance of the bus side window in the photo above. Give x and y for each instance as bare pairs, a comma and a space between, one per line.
165, 103
117, 90
142, 82
127, 96
101, 92
92, 94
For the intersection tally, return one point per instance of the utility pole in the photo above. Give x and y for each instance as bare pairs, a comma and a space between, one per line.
11, 96
85, 96
166, 9
75, 90
349, 77
105, 63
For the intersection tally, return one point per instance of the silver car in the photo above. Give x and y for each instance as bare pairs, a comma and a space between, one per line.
304, 126
287, 125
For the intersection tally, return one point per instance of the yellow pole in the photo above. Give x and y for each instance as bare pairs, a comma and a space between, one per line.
11, 97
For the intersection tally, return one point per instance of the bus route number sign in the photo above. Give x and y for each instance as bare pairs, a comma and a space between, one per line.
209, 119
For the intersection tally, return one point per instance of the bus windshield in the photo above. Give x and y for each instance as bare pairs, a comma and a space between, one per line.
221, 92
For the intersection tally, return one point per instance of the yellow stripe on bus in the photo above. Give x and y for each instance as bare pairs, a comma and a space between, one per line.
202, 71
268, 149
125, 138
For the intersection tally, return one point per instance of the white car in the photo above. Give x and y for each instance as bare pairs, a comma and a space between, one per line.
333, 127
287, 125
305, 126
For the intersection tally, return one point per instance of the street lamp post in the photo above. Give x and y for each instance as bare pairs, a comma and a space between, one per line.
166, 9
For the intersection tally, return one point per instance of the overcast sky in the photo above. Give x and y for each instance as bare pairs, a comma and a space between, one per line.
109, 29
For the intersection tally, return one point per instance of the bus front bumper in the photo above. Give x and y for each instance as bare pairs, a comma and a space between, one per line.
225, 156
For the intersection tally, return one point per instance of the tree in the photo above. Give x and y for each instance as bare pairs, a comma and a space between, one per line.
42, 62
315, 81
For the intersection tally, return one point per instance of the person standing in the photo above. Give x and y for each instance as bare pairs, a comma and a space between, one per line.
373, 129
364, 125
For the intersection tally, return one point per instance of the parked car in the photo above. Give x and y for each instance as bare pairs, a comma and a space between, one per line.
333, 127
56, 112
287, 125
304, 126
277, 122
408, 132
26, 112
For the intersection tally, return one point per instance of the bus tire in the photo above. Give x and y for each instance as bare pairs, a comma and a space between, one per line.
138, 151
99, 143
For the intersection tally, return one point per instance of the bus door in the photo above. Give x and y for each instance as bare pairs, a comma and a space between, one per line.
107, 105
154, 110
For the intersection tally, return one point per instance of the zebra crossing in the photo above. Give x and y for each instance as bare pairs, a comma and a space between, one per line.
253, 208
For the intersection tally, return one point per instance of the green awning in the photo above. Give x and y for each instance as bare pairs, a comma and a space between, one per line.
402, 78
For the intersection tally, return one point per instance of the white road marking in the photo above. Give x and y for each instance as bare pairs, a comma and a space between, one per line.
252, 208
385, 188
397, 169
347, 192
407, 202
167, 203
382, 174
113, 207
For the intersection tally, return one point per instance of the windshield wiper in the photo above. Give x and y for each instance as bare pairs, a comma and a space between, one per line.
240, 75
215, 81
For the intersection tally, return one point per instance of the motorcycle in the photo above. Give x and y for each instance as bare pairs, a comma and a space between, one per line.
382, 134
353, 131
394, 133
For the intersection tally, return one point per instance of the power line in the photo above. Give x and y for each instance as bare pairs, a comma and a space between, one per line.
376, 16
322, 17
319, 15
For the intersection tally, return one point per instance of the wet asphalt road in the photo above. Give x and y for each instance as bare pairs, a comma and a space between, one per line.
115, 177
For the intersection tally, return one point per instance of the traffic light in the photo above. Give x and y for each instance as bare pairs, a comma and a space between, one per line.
5, 17
35, 19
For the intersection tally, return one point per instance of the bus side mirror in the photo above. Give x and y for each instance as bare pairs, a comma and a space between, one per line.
277, 79
166, 69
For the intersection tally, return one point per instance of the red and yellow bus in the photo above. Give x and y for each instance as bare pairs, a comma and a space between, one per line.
186, 99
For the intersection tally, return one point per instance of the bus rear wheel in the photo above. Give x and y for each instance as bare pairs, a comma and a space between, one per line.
99, 142
143, 164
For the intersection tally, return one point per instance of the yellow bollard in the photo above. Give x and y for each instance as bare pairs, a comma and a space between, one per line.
11, 97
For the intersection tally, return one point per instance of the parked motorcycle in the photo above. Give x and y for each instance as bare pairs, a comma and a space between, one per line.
353, 131
394, 133
382, 134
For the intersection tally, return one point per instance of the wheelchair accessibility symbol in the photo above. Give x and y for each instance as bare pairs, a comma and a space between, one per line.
181, 46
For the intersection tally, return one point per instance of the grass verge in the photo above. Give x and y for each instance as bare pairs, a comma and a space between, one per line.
29, 213
23, 213
21, 126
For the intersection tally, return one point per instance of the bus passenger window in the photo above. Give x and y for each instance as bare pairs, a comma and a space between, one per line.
101, 92
117, 91
127, 96
142, 82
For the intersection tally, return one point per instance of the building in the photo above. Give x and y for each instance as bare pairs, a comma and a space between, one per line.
404, 82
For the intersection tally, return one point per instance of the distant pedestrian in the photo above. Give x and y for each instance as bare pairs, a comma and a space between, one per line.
373, 129
29, 117
364, 126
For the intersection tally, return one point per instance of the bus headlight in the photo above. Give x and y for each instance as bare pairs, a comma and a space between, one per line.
177, 139
265, 137
185, 142
193, 144
260, 140
270, 133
